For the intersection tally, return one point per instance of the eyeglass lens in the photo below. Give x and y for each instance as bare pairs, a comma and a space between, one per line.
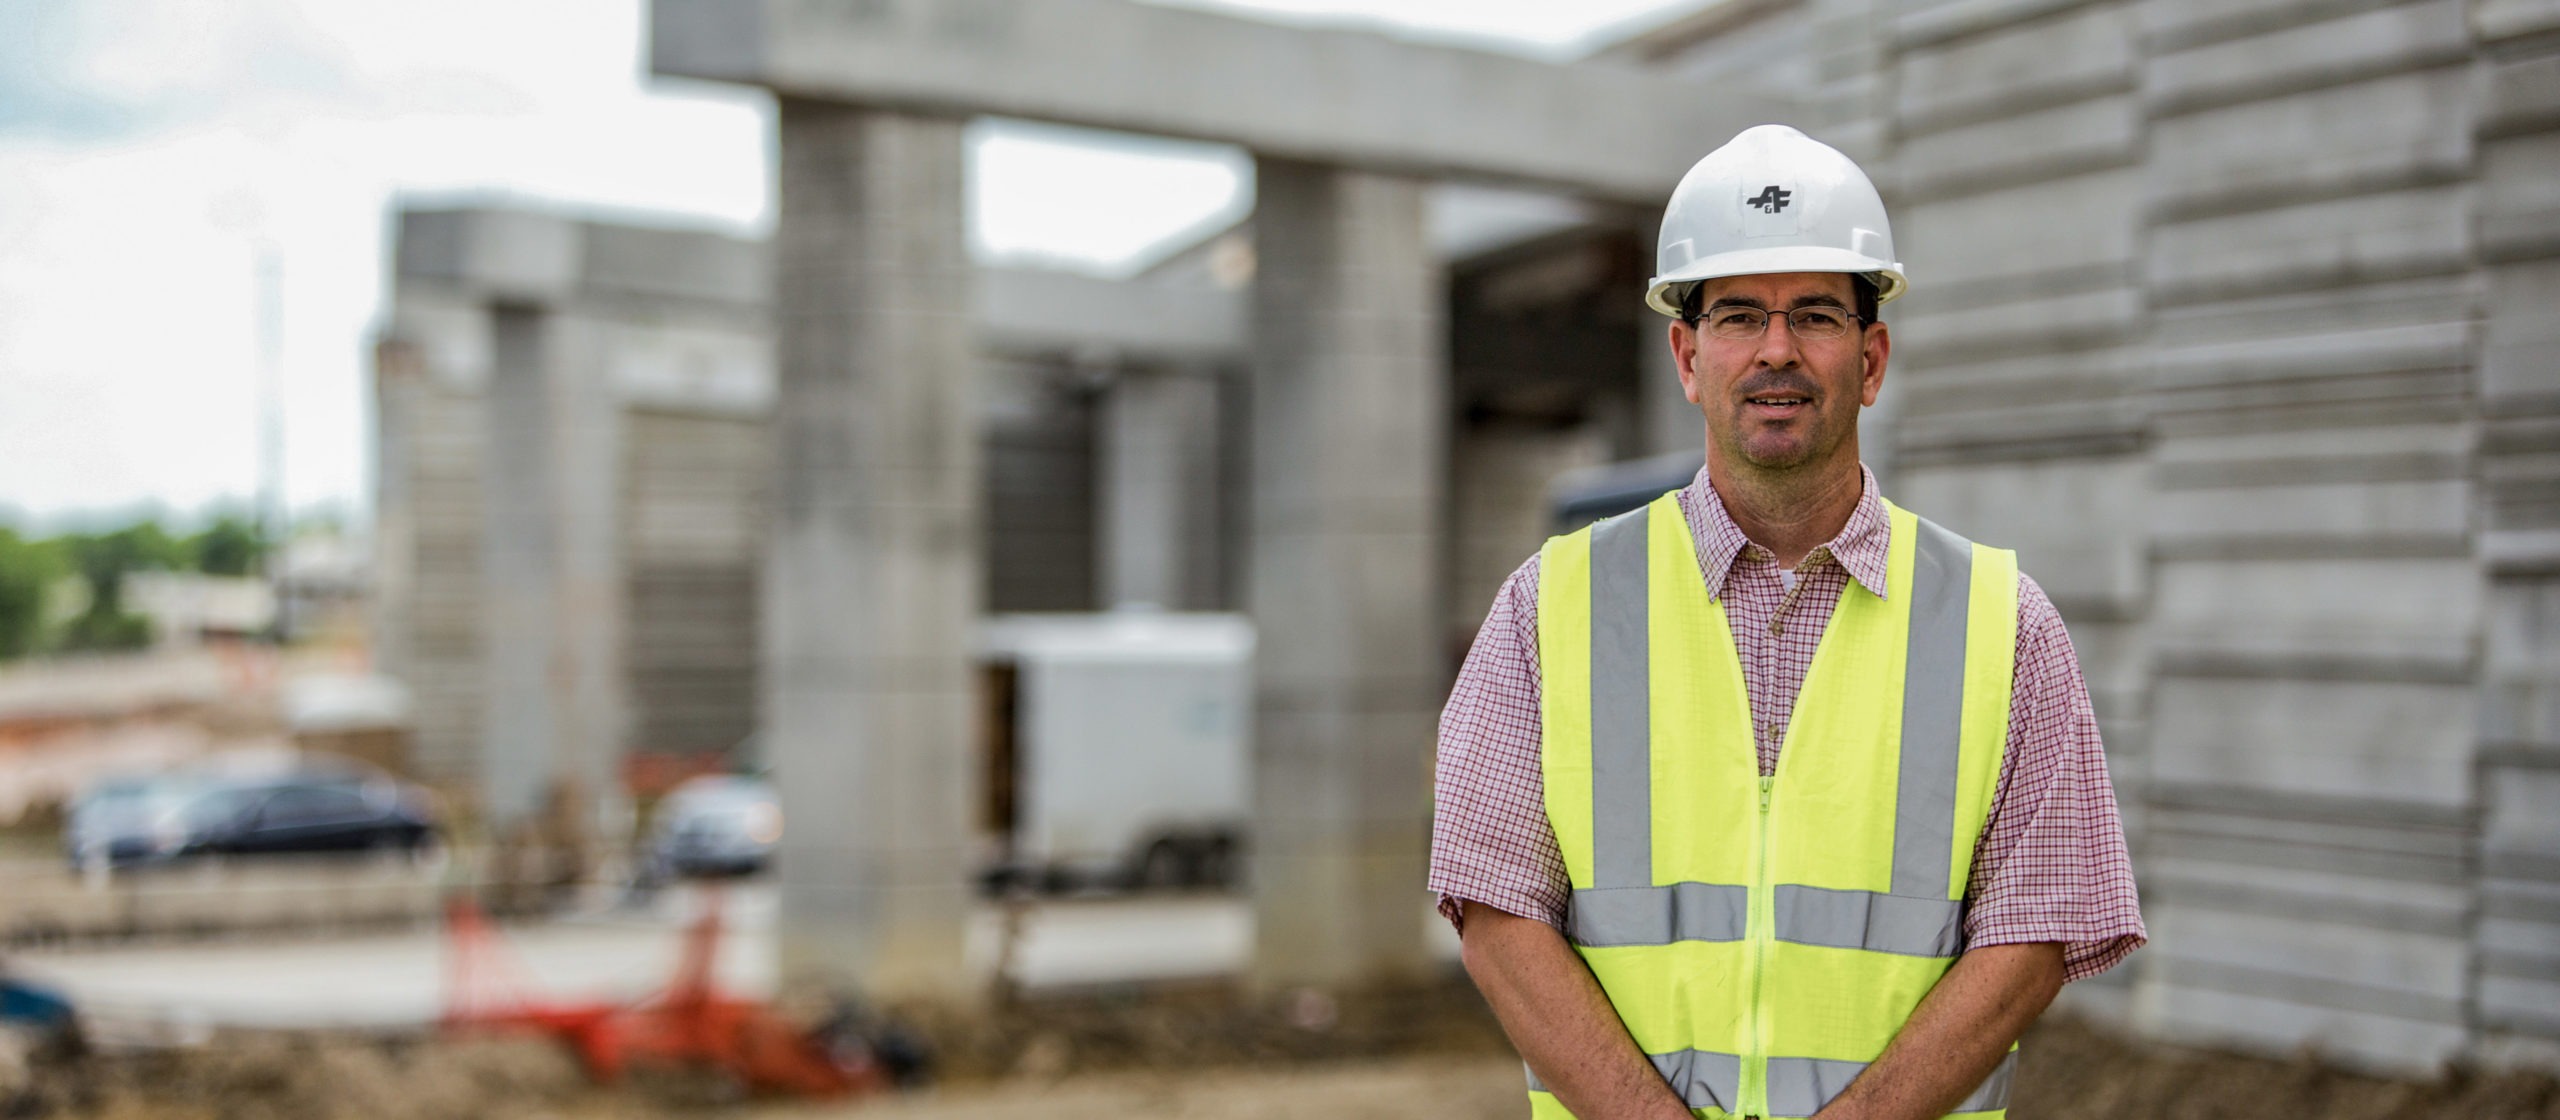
1815, 322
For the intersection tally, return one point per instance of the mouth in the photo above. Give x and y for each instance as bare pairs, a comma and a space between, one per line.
1778, 406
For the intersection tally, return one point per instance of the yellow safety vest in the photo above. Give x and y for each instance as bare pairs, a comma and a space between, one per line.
1764, 938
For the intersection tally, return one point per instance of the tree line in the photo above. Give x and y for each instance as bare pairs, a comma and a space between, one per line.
31, 568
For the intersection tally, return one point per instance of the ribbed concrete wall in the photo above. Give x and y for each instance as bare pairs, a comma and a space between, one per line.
2516, 998
2315, 307
2236, 320
1040, 488
695, 488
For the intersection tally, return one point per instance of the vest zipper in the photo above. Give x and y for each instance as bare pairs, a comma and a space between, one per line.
1763, 917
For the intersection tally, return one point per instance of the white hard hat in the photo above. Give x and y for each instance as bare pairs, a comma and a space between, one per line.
1773, 200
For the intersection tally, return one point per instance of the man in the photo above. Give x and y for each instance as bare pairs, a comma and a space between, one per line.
1772, 799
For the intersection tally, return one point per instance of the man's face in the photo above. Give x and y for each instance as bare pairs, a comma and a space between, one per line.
1778, 402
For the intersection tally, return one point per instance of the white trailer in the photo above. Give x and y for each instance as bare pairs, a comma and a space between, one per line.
1121, 758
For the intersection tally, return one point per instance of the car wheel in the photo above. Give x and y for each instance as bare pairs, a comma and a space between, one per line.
425, 849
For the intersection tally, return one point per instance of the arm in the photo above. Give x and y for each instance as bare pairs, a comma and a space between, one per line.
1957, 1036
1559, 1020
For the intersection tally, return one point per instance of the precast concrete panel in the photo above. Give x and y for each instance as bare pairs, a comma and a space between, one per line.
2026, 65
2099, 569
695, 491
2518, 937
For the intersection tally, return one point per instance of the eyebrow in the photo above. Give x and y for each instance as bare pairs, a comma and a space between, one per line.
1815, 300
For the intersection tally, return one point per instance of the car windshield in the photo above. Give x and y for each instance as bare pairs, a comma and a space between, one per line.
126, 804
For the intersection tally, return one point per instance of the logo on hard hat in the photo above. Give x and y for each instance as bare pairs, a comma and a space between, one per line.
1770, 200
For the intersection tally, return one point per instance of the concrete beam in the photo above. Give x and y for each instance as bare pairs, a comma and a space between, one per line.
1352, 98
519, 256
1038, 313
533, 256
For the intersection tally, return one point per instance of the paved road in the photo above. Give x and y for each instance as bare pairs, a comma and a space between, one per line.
398, 979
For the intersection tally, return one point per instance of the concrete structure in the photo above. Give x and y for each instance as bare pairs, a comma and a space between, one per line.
1346, 407
2231, 320
1334, 97
601, 599
596, 622
680, 324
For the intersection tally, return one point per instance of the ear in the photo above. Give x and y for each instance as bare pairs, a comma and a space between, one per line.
1684, 352
1877, 348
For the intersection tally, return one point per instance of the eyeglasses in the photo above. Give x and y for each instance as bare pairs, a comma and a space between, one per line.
1812, 323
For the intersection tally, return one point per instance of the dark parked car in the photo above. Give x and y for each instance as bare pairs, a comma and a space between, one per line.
308, 811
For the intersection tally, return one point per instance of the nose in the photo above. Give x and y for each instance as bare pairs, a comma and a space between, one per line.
1778, 343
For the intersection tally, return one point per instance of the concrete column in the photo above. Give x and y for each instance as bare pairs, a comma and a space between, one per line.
872, 582
551, 561
1159, 490
1669, 423
1349, 422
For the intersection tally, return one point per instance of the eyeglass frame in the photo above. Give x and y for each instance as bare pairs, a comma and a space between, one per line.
1696, 322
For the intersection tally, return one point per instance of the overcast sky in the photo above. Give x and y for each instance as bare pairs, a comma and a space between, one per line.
148, 148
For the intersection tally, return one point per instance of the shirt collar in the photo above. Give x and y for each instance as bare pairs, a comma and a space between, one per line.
1862, 546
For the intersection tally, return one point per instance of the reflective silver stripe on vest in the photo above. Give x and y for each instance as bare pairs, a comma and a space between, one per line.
1883, 923
1924, 807
1623, 908
1615, 917
1703, 1078
1612, 916
1621, 705
1801, 1086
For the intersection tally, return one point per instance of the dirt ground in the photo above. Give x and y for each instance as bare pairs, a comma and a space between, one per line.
1200, 1053
2069, 1071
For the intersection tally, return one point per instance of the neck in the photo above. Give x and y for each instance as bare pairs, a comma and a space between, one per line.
1790, 512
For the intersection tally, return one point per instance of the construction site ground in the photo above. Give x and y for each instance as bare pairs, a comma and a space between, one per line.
1185, 1054
1113, 1008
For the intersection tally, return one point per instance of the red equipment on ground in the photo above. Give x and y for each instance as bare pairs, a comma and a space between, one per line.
688, 1024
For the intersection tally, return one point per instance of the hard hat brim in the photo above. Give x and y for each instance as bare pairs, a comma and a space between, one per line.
1887, 275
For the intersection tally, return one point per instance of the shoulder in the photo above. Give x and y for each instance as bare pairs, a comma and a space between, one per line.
1521, 586
2040, 627
2037, 616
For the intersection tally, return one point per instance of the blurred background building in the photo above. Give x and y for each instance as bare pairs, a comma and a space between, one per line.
2232, 318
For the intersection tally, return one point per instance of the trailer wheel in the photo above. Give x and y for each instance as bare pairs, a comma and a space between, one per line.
1164, 865
1217, 861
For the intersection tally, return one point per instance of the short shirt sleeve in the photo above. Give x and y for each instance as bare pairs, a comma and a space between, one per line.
1491, 842
2052, 864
